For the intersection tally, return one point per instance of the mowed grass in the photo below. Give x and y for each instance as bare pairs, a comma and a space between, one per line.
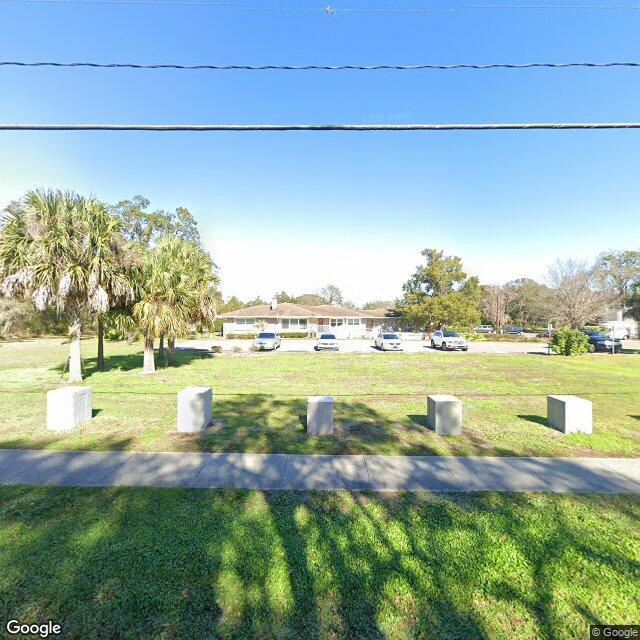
260, 401
180, 564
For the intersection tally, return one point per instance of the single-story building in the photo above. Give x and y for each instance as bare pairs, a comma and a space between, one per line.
286, 317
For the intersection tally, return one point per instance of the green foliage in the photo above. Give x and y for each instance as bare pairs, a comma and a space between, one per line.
633, 302
529, 302
145, 228
378, 304
194, 563
294, 334
312, 299
440, 293
331, 294
569, 342
241, 336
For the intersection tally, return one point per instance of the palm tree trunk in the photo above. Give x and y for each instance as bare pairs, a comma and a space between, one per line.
149, 365
161, 346
100, 343
171, 352
75, 355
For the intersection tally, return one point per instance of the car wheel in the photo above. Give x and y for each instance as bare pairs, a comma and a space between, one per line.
592, 348
465, 348
443, 346
433, 344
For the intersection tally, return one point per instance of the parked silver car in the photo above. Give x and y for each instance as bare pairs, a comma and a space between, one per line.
267, 341
327, 341
448, 340
388, 342
484, 328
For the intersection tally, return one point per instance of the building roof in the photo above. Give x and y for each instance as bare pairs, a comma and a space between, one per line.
290, 310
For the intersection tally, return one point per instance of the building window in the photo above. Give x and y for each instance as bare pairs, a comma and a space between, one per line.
337, 322
294, 323
353, 320
244, 321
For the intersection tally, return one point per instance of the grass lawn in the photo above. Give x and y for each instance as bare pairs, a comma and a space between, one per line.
179, 564
260, 401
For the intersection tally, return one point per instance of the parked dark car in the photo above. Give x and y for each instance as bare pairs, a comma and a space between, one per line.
601, 341
513, 331
544, 334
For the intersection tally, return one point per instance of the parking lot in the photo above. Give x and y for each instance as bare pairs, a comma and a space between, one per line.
297, 345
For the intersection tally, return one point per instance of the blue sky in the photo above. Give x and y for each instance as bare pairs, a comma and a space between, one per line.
297, 210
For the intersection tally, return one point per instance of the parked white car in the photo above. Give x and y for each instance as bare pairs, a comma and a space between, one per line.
388, 342
448, 340
327, 341
267, 341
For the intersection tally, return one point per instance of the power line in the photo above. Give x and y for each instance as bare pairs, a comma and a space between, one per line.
319, 127
319, 67
332, 11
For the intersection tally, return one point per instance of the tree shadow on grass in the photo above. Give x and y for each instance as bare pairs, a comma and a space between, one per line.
131, 361
191, 564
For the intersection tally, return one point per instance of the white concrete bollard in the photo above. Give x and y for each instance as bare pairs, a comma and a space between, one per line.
194, 409
570, 414
320, 415
444, 415
68, 407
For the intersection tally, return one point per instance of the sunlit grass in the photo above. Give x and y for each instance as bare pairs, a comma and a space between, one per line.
179, 564
260, 401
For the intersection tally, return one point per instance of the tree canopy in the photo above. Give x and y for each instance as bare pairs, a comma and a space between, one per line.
440, 293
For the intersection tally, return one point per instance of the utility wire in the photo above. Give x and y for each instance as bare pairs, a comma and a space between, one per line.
332, 11
318, 127
320, 67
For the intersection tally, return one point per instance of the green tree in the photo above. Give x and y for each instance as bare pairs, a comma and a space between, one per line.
309, 299
530, 303
176, 288
378, 304
615, 272
331, 294
633, 301
49, 253
439, 293
111, 263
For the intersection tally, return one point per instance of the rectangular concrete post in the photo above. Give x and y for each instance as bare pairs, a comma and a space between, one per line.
320, 416
570, 414
194, 409
68, 407
444, 415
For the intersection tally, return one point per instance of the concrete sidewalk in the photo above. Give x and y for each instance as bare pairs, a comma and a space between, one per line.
300, 472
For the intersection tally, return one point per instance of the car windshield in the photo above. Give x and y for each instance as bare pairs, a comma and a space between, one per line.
390, 336
267, 335
327, 336
597, 334
451, 334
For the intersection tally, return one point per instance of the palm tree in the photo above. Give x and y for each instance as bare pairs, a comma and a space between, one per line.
111, 261
163, 305
173, 293
49, 253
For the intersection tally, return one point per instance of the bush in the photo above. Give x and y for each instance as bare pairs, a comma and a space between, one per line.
295, 334
570, 342
241, 336
468, 334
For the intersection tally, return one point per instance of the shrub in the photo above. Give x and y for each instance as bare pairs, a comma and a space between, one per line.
236, 350
569, 342
241, 336
470, 335
295, 334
